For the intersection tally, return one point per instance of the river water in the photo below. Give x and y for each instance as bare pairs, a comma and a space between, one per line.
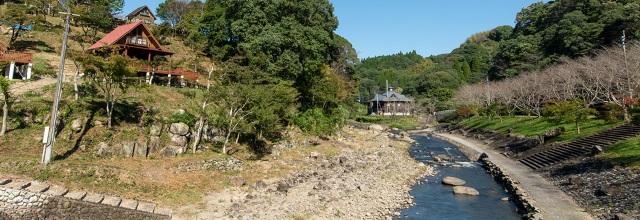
437, 201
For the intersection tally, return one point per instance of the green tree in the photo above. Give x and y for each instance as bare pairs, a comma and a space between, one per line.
109, 75
574, 111
16, 15
6, 102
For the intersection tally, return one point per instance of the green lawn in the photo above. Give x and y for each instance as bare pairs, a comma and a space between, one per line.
532, 126
625, 153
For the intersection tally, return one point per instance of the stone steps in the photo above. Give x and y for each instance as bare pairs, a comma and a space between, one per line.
580, 147
32, 192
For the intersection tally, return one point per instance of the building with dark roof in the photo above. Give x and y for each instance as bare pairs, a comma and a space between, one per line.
143, 14
391, 103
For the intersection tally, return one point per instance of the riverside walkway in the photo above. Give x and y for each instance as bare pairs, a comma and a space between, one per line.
552, 202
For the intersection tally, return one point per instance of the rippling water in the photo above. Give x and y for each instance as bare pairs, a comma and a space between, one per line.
436, 201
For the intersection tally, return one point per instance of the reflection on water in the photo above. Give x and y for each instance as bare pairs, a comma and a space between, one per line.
436, 201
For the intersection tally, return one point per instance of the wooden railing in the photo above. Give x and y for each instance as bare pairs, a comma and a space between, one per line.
177, 72
14, 56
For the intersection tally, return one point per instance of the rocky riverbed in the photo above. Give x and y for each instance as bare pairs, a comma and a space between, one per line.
604, 190
369, 179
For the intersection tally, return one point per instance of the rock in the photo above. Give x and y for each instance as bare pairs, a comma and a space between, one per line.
98, 123
128, 149
315, 155
181, 129
453, 181
170, 151
154, 145
237, 181
596, 150
179, 140
283, 187
575, 181
363, 188
259, 185
141, 150
609, 191
520, 137
104, 149
463, 190
403, 134
621, 216
376, 127
155, 130
76, 125
505, 199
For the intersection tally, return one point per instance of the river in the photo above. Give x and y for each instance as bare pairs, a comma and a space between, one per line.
436, 201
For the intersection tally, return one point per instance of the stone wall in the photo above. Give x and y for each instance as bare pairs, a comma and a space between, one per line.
36, 200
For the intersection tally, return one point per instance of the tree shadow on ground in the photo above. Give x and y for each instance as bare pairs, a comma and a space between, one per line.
37, 46
93, 108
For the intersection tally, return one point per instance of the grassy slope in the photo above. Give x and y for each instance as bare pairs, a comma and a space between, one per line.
625, 152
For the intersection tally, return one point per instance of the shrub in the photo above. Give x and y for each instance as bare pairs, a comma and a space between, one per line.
184, 117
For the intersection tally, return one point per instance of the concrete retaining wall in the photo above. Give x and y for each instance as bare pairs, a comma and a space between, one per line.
35, 200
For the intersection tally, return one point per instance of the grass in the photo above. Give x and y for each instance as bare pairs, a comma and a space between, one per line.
624, 153
533, 126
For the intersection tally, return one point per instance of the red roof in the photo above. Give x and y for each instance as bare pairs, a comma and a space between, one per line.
120, 32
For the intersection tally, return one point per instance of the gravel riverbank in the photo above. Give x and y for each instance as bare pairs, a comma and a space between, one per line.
369, 179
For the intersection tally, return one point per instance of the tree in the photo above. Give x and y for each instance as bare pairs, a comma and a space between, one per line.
574, 111
6, 102
173, 11
109, 75
16, 15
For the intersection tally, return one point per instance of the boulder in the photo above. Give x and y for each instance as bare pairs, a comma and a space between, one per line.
597, 150
155, 130
128, 149
237, 181
141, 150
376, 127
453, 181
170, 151
403, 134
104, 149
464, 190
315, 155
179, 140
181, 129
575, 181
154, 145
76, 125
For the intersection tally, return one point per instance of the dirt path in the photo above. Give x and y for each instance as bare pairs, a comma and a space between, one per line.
21, 87
553, 202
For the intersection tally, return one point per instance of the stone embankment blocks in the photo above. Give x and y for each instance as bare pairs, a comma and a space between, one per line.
37, 200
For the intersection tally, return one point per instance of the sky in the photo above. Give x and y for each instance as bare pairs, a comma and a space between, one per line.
430, 27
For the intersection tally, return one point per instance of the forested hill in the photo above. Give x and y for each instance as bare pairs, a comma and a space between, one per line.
544, 33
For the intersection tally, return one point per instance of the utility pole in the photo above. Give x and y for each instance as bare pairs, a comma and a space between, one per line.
48, 146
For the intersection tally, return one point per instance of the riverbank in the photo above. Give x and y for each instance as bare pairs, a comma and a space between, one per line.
369, 178
552, 202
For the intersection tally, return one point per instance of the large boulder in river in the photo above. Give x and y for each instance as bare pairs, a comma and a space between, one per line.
453, 181
463, 190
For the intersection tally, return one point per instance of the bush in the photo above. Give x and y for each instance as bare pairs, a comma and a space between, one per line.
316, 121
185, 117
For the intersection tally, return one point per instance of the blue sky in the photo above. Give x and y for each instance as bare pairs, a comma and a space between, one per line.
384, 27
